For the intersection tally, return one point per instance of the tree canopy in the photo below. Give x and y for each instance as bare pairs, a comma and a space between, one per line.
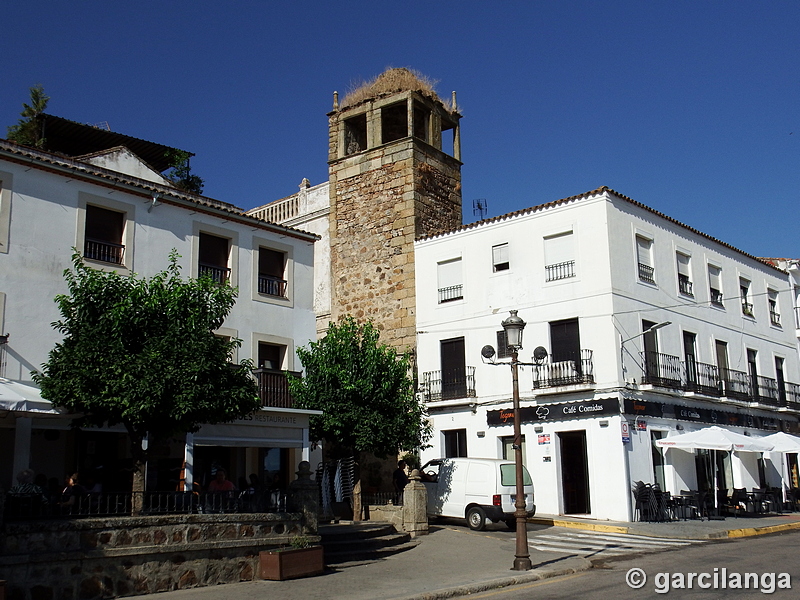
364, 390
28, 130
181, 172
142, 352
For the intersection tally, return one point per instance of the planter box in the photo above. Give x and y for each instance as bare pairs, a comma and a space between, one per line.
278, 565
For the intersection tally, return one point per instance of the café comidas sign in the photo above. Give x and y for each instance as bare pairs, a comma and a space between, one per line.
562, 411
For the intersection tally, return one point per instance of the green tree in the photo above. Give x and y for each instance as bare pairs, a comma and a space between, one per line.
142, 352
181, 172
364, 390
28, 130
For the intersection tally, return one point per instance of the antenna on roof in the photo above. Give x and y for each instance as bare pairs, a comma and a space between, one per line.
102, 125
480, 207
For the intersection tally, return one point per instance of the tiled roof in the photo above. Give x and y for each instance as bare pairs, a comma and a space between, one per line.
599, 191
49, 161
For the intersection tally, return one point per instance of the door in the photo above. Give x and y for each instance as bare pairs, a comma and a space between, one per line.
454, 369
722, 364
565, 347
651, 371
689, 342
574, 472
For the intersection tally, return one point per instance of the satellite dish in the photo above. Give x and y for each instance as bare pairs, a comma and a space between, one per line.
539, 354
487, 351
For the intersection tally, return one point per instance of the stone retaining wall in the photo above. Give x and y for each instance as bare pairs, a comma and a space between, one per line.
101, 558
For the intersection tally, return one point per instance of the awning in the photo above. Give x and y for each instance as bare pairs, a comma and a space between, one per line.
19, 397
715, 438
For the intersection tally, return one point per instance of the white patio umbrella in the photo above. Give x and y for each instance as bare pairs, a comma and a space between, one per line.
783, 443
19, 397
715, 438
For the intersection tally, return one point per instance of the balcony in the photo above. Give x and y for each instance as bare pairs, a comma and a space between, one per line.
271, 286
662, 370
569, 369
448, 294
218, 274
774, 318
273, 388
103, 251
448, 385
646, 273
701, 378
685, 286
747, 308
716, 297
563, 270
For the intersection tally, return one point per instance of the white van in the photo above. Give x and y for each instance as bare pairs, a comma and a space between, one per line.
478, 489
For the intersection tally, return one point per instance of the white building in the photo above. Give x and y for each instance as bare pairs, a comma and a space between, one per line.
590, 274
103, 194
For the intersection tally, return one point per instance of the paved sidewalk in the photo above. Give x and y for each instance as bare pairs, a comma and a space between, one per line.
454, 561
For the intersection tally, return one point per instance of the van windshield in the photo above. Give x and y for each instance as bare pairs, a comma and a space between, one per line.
508, 475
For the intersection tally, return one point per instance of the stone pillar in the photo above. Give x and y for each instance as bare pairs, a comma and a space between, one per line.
304, 497
415, 506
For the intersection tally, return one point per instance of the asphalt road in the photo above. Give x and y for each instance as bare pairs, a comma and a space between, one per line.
668, 573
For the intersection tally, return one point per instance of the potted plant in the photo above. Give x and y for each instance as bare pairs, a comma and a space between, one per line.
299, 559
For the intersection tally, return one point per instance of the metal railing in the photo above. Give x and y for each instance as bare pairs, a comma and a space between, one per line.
272, 286
736, 384
775, 318
449, 385
716, 297
701, 377
570, 368
382, 498
766, 391
646, 273
792, 393
103, 251
273, 388
21, 507
662, 370
448, 294
747, 308
684, 285
219, 274
563, 270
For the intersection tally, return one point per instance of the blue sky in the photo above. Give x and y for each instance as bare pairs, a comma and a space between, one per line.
690, 107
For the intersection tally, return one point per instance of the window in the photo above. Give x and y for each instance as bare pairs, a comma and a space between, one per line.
752, 371
503, 350
454, 368
355, 134
507, 444
271, 272
103, 235
559, 256
213, 253
689, 353
500, 257
394, 122
455, 443
744, 294
684, 275
774, 314
644, 249
780, 380
715, 285
270, 356
450, 282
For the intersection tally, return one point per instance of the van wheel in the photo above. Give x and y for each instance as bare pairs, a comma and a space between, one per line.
476, 518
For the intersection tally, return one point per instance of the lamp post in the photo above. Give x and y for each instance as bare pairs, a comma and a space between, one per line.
513, 327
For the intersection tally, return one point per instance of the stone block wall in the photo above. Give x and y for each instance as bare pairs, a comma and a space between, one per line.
89, 559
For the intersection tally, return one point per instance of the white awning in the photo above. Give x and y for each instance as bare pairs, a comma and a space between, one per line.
20, 397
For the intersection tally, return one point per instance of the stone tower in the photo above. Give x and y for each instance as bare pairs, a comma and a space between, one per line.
391, 180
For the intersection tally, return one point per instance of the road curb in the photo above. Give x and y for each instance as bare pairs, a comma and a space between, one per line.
493, 584
578, 525
753, 531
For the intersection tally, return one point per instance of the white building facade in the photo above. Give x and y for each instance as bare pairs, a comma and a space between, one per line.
651, 329
122, 215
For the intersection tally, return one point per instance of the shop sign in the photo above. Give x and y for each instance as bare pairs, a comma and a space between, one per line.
544, 438
562, 411
626, 432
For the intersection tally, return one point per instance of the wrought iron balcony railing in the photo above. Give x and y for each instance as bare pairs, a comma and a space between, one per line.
646, 273
273, 388
775, 318
558, 271
449, 385
448, 294
570, 368
684, 285
104, 251
218, 274
662, 370
716, 297
747, 308
701, 377
272, 286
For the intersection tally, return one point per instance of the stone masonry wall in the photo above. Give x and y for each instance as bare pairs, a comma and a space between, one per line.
88, 559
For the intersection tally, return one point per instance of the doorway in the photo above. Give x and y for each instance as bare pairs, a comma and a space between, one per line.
574, 472
454, 370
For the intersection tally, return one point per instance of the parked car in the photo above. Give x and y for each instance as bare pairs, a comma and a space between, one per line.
478, 489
